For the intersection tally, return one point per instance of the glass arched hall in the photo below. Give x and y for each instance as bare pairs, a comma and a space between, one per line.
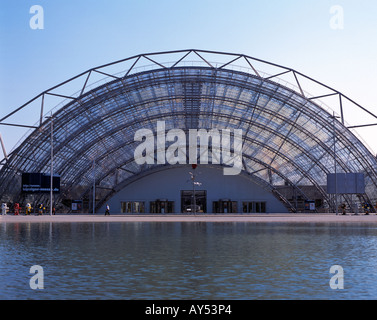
290, 143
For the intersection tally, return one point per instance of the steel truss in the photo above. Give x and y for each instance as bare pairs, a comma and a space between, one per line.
288, 134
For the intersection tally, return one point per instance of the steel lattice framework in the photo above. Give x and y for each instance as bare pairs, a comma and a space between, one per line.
288, 135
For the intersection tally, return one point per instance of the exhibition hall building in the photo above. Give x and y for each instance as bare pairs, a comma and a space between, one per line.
194, 132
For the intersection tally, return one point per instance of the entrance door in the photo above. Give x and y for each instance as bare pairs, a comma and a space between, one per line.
132, 207
187, 201
254, 207
161, 206
224, 206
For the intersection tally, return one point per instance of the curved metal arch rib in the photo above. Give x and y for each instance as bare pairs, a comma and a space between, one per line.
288, 138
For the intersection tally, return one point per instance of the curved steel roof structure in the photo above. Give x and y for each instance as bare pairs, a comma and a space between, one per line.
288, 135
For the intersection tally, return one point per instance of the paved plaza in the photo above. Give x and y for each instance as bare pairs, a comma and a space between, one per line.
292, 218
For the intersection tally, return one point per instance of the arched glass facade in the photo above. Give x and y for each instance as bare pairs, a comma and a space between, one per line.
288, 139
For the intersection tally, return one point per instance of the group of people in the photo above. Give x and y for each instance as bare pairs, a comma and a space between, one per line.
41, 209
28, 209
366, 206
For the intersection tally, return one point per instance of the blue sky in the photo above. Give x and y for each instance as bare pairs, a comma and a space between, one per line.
82, 34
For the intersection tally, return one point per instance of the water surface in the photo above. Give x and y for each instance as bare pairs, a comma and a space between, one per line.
199, 260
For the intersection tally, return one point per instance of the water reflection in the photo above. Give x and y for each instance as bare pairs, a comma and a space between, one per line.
187, 260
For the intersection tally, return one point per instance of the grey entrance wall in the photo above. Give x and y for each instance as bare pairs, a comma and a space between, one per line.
167, 185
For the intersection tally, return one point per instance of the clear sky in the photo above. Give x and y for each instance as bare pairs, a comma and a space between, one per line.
306, 35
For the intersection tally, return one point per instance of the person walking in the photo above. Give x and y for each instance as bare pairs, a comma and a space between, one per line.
343, 207
107, 211
28, 209
16, 209
41, 209
4, 208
